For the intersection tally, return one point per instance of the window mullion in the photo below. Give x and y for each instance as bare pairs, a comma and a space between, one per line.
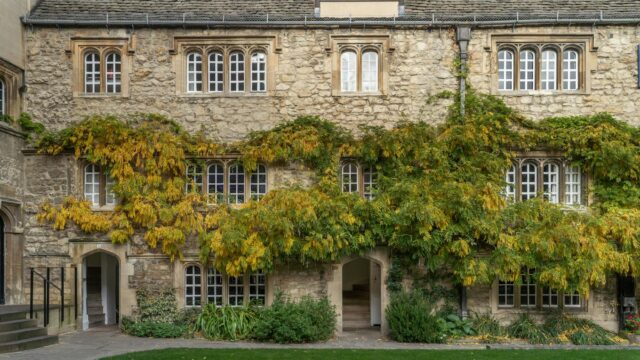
359, 70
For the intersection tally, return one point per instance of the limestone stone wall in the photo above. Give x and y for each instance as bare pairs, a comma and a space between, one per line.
613, 74
419, 66
602, 306
11, 171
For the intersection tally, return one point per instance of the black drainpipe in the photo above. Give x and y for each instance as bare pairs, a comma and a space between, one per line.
463, 35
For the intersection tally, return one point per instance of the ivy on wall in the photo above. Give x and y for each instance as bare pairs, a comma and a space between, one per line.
438, 197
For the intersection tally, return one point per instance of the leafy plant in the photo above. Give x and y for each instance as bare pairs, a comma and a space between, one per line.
411, 319
302, 321
454, 326
525, 328
157, 304
226, 323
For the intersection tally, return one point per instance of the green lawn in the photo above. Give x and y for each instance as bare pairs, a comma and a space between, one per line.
260, 354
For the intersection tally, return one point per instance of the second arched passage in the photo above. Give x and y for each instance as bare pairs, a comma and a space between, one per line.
101, 298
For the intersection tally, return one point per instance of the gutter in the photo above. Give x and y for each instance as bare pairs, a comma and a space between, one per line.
143, 20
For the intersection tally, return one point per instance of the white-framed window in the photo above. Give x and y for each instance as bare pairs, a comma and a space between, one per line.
510, 188
258, 182
350, 178
551, 182
570, 70
110, 195
194, 72
113, 74
549, 298
369, 179
505, 70
98, 186
216, 72
572, 185
235, 290
92, 73
214, 287
259, 72
506, 294
3, 101
236, 71
236, 184
572, 300
348, 71
529, 181
548, 70
527, 70
194, 178
215, 182
92, 184
257, 288
527, 288
192, 286
370, 70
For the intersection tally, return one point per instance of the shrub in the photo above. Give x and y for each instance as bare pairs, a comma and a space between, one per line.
226, 323
157, 305
485, 324
525, 328
578, 331
157, 315
152, 329
411, 319
306, 320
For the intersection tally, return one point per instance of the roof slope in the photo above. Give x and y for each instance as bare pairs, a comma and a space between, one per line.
159, 12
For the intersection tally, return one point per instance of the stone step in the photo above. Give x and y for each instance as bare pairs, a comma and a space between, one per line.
355, 308
355, 324
96, 319
21, 334
19, 315
94, 310
26, 344
17, 324
355, 294
352, 301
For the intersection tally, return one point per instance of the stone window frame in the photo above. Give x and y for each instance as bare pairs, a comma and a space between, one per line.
540, 292
204, 286
12, 77
540, 159
226, 45
80, 47
227, 162
361, 174
360, 43
103, 183
584, 44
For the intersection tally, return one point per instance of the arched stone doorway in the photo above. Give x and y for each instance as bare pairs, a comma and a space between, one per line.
361, 295
100, 291
341, 280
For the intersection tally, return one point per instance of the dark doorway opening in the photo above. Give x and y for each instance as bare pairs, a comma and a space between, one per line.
626, 298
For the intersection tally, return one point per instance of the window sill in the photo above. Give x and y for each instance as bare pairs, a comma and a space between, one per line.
104, 208
543, 311
223, 95
100, 96
517, 93
358, 94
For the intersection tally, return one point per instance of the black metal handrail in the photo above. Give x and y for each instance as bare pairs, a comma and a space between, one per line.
46, 287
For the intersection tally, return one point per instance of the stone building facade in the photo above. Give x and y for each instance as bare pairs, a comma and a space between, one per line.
417, 46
